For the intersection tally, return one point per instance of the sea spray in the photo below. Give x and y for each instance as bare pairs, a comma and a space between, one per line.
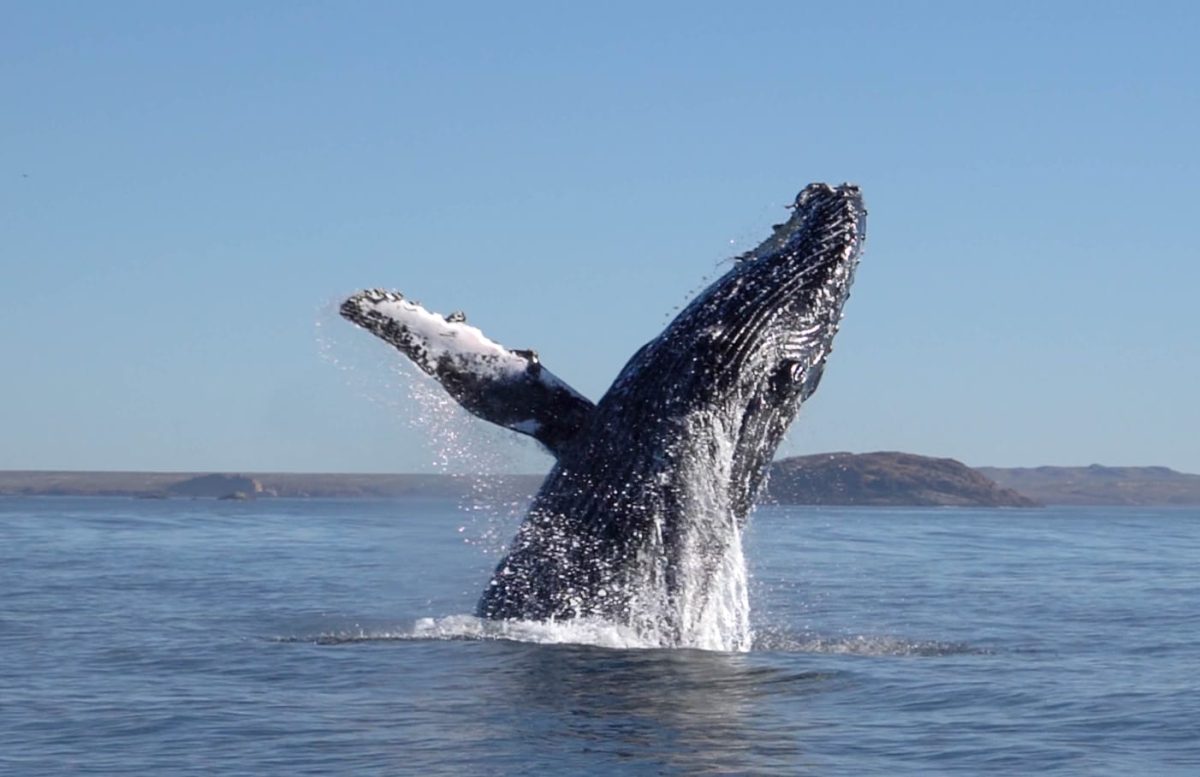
694, 591
456, 444
691, 594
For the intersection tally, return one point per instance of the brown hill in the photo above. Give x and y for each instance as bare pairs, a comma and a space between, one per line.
1098, 485
885, 478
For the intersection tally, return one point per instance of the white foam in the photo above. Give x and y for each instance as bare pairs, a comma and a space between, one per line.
578, 631
703, 601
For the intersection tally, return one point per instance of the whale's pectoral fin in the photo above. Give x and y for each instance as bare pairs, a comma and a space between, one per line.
506, 387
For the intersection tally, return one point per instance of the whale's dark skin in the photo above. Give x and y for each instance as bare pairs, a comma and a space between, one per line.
666, 466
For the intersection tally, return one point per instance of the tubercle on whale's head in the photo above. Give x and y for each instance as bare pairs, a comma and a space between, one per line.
815, 191
783, 299
814, 202
816, 196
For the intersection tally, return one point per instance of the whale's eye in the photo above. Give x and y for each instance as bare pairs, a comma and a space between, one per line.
788, 377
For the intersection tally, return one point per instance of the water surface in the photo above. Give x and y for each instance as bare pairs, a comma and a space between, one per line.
333, 637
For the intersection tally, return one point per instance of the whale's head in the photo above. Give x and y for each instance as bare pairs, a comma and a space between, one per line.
773, 317
730, 372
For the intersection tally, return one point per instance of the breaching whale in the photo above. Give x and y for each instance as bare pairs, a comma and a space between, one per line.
639, 520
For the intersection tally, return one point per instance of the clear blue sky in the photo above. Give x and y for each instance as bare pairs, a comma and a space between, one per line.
186, 190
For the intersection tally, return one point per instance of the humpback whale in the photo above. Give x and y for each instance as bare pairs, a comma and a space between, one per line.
639, 520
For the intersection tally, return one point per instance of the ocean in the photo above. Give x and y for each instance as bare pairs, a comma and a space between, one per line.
334, 637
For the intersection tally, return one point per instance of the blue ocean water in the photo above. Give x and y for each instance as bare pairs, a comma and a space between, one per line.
331, 637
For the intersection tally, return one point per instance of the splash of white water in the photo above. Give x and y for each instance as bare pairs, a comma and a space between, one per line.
701, 602
687, 586
457, 444
577, 631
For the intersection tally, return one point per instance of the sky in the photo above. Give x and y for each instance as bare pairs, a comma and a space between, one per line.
188, 190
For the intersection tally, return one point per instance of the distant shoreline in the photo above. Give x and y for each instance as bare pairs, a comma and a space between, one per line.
876, 479
250, 484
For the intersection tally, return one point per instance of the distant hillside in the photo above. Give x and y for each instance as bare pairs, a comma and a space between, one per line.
72, 483
262, 484
217, 486
1098, 485
885, 478
827, 478
345, 485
